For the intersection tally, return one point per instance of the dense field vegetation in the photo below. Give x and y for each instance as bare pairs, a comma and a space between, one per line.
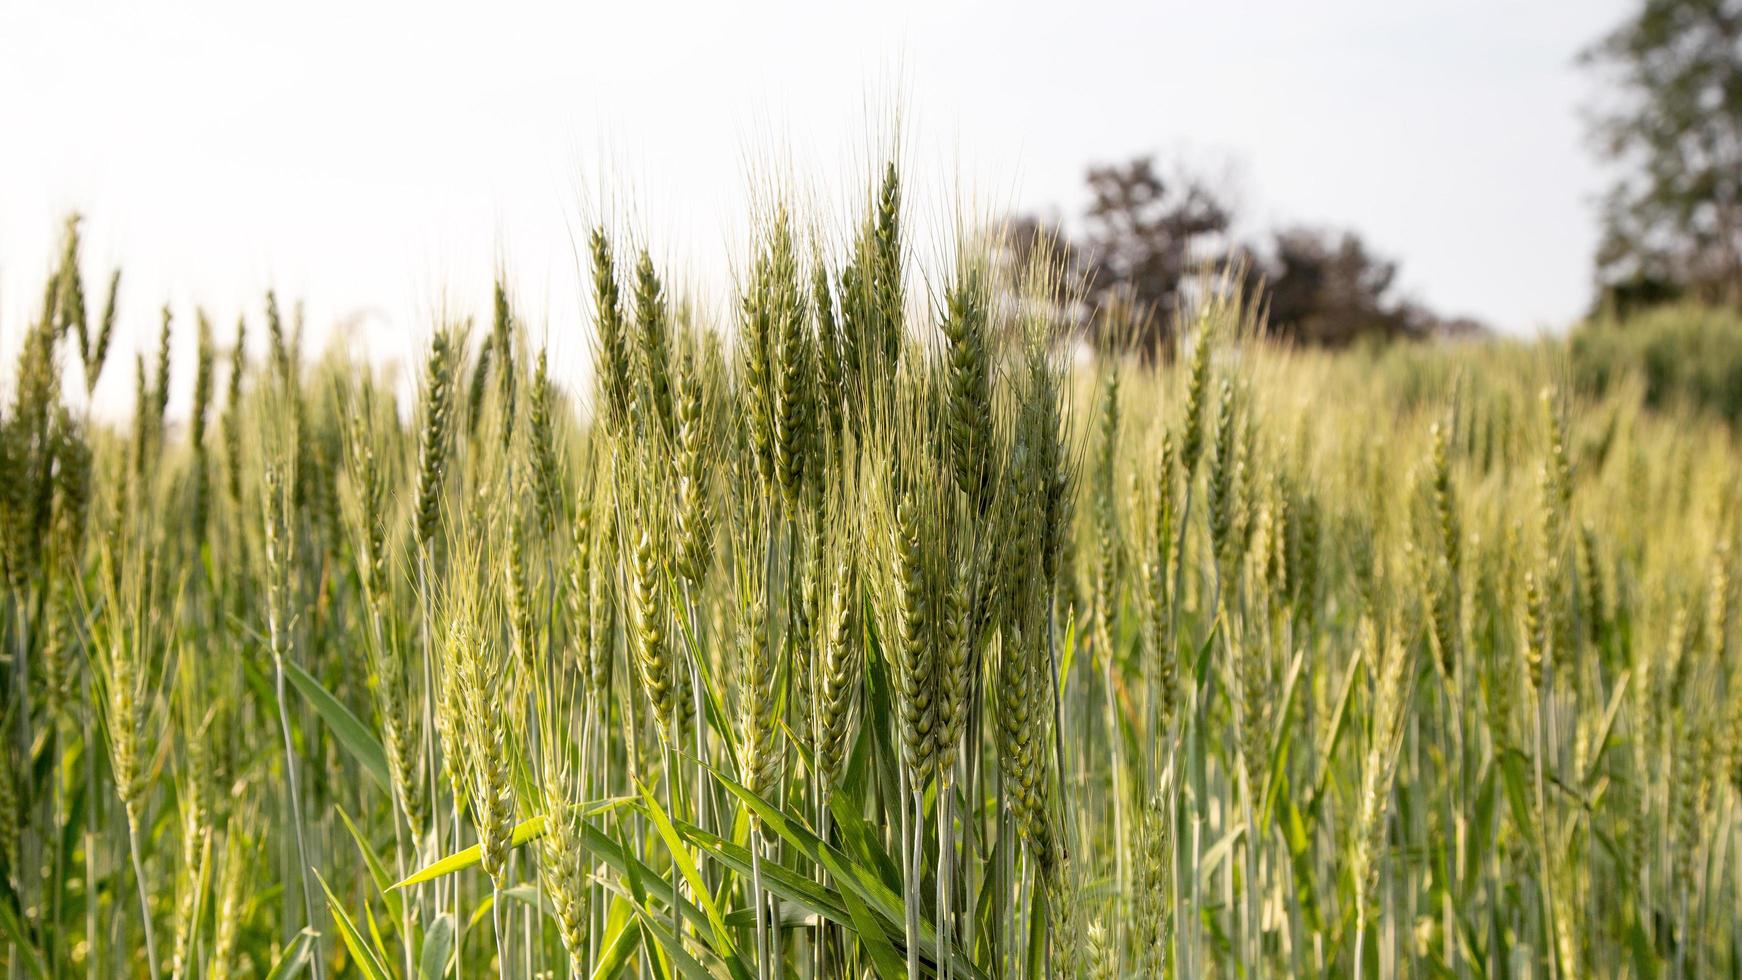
1685, 356
868, 634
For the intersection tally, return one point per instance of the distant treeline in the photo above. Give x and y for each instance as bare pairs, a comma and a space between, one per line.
1148, 241
1667, 124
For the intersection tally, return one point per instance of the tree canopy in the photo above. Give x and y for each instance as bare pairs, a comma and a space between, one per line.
1148, 240
1672, 128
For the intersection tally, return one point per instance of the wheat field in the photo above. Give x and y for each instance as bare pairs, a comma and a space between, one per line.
871, 633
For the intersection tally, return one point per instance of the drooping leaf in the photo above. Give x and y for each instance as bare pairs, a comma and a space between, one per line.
352, 734
377, 870
869, 931
361, 954
723, 945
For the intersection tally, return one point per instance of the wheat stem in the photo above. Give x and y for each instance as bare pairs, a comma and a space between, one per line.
136, 849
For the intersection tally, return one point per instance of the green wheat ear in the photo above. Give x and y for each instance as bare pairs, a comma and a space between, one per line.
1223, 469
197, 425
832, 385
614, 369
1197, 380
653, 351
543, 444
695, 456
842, 662
506, 359
762, 758
70, 295
650, 624
435, 438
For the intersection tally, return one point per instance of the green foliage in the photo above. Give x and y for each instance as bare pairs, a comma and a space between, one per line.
1683, 356
1672, 126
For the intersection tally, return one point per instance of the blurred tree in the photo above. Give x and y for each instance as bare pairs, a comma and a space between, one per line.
1673, 219
1148, 234
1328, 289
1144, 237
1149, 241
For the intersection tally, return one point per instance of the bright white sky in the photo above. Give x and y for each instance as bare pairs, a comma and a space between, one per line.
383, 158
